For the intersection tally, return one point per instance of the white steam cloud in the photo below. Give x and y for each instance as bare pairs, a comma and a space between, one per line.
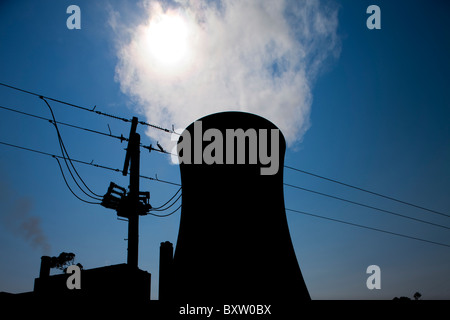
255, 56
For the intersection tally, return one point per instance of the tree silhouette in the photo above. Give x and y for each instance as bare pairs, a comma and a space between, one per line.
64, 260
416, 296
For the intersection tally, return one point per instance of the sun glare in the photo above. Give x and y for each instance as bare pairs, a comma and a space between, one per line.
168, 39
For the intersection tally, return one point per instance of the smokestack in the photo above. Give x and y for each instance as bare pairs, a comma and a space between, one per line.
233, 241
45, 267
165, 270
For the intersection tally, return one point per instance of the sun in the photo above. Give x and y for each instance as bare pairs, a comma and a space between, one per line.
167, 39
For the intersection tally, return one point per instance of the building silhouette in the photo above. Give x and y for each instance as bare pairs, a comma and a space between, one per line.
108, 282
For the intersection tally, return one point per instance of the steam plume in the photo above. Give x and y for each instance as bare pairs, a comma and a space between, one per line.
255, 56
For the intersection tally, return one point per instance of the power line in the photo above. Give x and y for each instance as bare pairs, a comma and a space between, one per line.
87, 163
367, 206
66, 158
160, 207
165, 215
168, 206
68, 186
151, 148
157, 127
121, 138
86, 109
159, 180
367, 191
367, 227
40, 95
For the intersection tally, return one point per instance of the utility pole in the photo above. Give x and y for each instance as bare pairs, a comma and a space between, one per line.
131, 204
132, 161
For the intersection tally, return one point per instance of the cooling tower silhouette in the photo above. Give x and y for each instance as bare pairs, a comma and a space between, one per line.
234, 242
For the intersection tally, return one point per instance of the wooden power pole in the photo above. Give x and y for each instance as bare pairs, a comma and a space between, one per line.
132, 162
131, 204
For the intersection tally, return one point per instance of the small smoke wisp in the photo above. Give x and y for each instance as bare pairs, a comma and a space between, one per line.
17, 217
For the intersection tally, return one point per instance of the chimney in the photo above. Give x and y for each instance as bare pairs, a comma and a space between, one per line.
165, 270
45, 267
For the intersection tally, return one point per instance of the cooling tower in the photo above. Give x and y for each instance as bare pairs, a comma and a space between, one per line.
233, 242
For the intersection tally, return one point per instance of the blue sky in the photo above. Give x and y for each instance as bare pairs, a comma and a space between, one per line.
366, 107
